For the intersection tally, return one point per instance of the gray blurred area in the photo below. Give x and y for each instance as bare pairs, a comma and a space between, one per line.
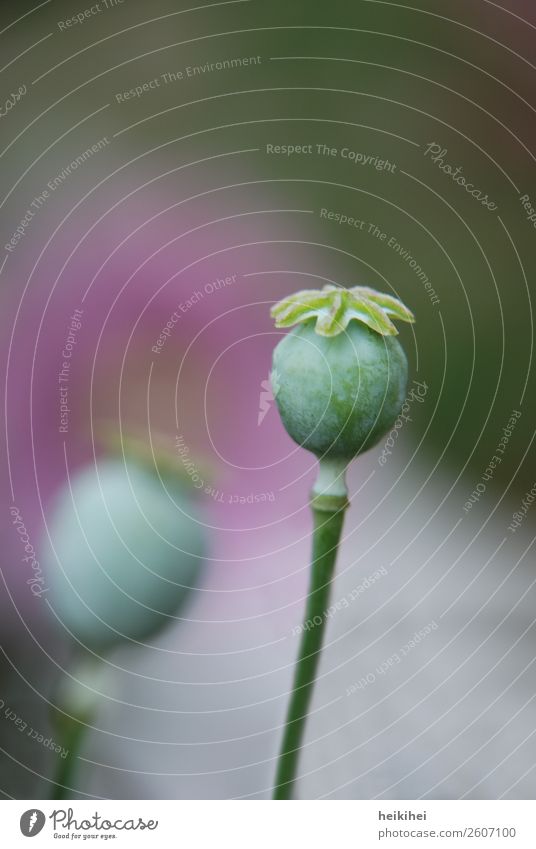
452, 718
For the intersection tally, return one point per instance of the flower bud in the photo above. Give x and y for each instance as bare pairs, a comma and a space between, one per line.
339, 383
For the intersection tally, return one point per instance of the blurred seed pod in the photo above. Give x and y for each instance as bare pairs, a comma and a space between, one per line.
125, 546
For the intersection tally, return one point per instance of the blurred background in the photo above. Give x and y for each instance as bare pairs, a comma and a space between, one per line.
167, 174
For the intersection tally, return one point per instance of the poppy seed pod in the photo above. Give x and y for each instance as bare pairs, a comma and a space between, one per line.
123, 551
339, 378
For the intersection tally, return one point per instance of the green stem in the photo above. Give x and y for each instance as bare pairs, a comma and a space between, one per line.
76, 700
73, 733
328, 514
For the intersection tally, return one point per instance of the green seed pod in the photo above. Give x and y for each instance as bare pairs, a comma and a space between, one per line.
124, 551
340, 377
339, 380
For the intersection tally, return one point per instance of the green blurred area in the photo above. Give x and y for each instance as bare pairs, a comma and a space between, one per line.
386, 82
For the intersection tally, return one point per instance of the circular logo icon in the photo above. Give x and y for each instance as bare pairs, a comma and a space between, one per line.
31, 822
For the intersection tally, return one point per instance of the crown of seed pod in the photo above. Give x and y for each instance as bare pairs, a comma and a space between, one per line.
339, 377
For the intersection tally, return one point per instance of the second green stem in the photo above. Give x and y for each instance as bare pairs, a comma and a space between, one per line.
72, 740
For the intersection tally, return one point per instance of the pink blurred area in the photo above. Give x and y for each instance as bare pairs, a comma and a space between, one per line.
127, 267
